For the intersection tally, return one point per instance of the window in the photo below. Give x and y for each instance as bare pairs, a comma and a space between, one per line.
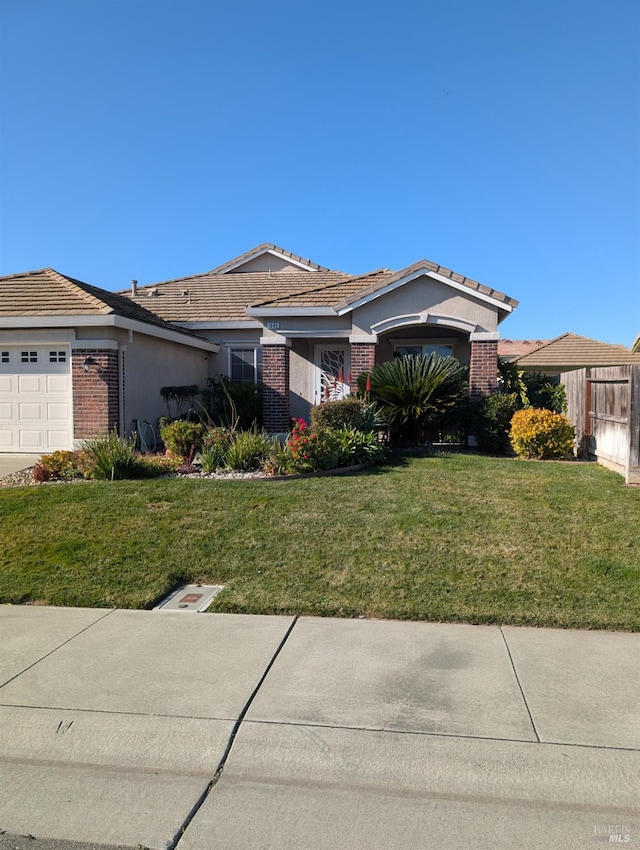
57, 357
29, 356
245, 365
4, 357
430, 348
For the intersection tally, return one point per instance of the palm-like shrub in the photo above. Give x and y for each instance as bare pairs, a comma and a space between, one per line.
413, 389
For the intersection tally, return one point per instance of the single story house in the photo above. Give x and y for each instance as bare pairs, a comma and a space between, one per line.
305, 331
76, 361
603, 397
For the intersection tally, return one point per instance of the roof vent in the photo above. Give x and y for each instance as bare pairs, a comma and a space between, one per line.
153, 293
134, 288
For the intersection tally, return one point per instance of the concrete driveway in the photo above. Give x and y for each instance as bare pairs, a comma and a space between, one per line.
164, 729
10, 463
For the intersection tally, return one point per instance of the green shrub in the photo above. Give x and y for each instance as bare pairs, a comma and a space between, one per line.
155, 466
247, 450
350, 412
58, 466
278, 461
494, 422
215, 445
344, 412
543, 394
113, 457
180, 437
236, 404
411, 390
358, 447
542, 434
532, 388
312, 451
372, 418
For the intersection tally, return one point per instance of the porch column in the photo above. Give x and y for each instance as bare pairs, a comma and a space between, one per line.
483, 367
363, 359
96, 392
275, 388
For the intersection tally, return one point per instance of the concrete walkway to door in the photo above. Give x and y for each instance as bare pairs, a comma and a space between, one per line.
10, 462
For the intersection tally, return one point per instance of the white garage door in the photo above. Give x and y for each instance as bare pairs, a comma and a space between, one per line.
35, 398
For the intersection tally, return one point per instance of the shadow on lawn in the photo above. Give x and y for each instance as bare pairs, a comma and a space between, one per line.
401, 459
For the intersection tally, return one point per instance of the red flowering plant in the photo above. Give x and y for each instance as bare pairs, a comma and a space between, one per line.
312, 450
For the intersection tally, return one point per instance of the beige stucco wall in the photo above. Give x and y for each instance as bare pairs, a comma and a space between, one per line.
265, 263
152, 363
432, 296
102, 332
317, 326
433, 299
227, 339
425, 335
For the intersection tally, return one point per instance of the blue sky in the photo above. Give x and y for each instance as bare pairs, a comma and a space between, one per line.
153, 139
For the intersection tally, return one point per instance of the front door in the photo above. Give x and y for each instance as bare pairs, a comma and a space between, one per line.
332, 372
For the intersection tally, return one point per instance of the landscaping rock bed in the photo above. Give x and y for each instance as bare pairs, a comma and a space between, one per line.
25, 478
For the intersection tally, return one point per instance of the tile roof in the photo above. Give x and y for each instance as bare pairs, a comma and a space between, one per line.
467, 282
214, 297
265, 247
576, 352
513, 348
46, 292
329, 294
219, 296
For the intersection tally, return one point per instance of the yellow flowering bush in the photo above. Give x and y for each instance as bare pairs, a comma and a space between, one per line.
541, 434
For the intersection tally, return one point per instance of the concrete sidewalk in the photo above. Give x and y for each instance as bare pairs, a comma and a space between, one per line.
10, 463
156, 729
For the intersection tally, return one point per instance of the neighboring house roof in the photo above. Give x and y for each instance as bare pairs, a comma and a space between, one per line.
570, 351
227, 293
47, 293
510, 349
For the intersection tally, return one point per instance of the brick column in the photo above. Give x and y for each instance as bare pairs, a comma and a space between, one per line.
96, 392
363, 359
483, 368
275, 388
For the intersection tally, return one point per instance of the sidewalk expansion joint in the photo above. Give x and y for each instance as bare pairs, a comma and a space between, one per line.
515, 673
236, 728
305, 724
56, 648
117, 713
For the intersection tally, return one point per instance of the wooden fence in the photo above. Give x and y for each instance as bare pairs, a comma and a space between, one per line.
604, 406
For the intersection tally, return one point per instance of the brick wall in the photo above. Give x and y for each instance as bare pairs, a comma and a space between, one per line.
363, 359
96, 393
275, 388
483, 368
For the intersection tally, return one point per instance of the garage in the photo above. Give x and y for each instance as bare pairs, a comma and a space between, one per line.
36, 411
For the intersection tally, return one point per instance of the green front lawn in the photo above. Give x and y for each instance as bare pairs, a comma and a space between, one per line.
451, 537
